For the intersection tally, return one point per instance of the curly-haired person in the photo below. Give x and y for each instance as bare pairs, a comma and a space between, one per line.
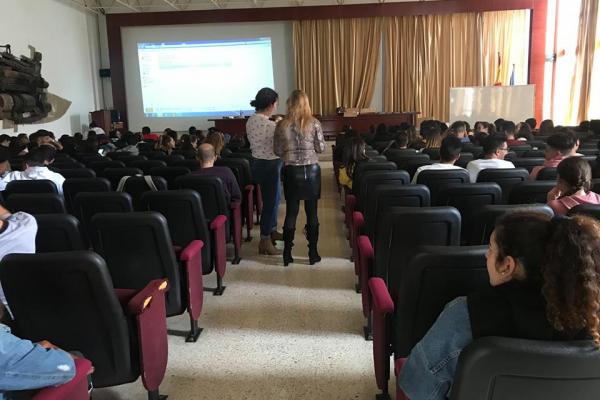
545, 285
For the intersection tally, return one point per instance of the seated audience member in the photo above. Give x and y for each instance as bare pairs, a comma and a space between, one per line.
4, 163
130, 144
415, 140
494, 151
498, 125
401, 142
524, 132
449, 153
94, 127
19, 146
459, 129
17, 235
148, 135
432, 133
353, 154
189, 146
165, 144
546, 127
89, 145
172, 133
4, 140
382, 134
481, 126
342, 142
217, 140
479, 137
532, 122
558, 147
540, 290
208, 156
42, 137
36, 163
573, 186
509, 129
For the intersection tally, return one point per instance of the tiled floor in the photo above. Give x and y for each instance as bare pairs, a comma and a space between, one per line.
276, 333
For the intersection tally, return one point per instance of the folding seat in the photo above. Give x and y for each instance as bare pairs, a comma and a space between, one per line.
382, 145
147, 165
508, 368
17, 164
531, 192
67, 164
485, 219
100, 166
434, 277
88, 158
117, 155
379, 158
136, 186
130, 159
58, 232
185, 218
114, 175
534, 154
433, 153
29, 187
88, 204
138, 249
506, 178
173, 158
78, 185
468, 198
410, 163
371, 165
521, 149
154, 155
510, 155
169, 174
596, 185
593, 151
75, 389
528, 162
68, 298
477, 151
536, 145
592, 210
464, 159
436, 180
372, 153
214, 202
548, 174
192, 165
241, 169
76, 173
36, 203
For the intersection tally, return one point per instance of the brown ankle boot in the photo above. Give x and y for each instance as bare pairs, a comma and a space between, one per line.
266, 247
276, 236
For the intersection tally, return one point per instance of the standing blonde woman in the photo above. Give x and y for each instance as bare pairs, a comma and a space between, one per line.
298, 138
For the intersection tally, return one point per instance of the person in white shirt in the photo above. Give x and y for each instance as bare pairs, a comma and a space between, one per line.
494, 151
93, 127
266, 166
17, 235
449, 153
37, 162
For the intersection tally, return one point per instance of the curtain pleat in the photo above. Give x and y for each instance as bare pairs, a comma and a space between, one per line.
336, 61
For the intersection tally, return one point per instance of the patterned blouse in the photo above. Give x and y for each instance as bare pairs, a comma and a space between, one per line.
260, 130
296, 148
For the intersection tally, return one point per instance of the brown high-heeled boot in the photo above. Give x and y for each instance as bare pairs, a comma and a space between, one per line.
265, 246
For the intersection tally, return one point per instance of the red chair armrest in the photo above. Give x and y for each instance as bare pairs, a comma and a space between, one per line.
349, 204
191, 257
219, 242
364, 259
148, 307
235, 205
382, 306
75, 389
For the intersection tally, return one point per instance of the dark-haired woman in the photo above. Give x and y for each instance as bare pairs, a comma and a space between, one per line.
541, 289
266, 166
355, 153
572, 186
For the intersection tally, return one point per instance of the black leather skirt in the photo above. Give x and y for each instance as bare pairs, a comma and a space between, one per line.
302, 182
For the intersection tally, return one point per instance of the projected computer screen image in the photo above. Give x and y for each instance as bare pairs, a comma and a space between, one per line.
203, 78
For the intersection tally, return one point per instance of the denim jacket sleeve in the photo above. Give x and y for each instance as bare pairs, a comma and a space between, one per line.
429, 370
25, 365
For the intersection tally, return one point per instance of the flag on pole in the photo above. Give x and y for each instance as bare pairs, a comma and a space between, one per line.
512, 76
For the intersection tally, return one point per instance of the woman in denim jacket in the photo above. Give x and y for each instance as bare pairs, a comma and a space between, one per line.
25, 365
545, 279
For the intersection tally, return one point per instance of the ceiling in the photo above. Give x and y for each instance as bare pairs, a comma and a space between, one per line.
136, 6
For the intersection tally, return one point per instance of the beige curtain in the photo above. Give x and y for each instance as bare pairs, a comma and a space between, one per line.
336, 61
586, 47
424, 56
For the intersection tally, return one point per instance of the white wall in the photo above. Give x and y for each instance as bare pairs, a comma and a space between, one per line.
67, 37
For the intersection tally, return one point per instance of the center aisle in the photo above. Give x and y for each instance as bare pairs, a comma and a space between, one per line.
276, 333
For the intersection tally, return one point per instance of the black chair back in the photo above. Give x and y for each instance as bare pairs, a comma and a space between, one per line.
114, 175
591, 210
548, 174
410, 163
88, 204
363, 167
77, 173
371, 178
69, 300
530, 192
136, 186
402, 230
100, 166
506, 178
528, 162
58, 232
134, 263
147, 165
464, 159
521, 149
29, 187
437, 179
185, 218
506, 368
78, 185
479, 233
434, 277
192, 165
36, 203
211, 191
170, 174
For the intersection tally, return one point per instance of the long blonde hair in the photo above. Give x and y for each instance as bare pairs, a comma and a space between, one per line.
298, 112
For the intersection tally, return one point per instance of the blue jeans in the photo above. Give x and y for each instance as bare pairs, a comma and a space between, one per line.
267, 173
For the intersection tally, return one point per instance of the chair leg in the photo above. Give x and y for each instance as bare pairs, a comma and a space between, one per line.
236, 258
368, 330
383, 396
357, 288
220, 288
194, 332
248, 236
155, 395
